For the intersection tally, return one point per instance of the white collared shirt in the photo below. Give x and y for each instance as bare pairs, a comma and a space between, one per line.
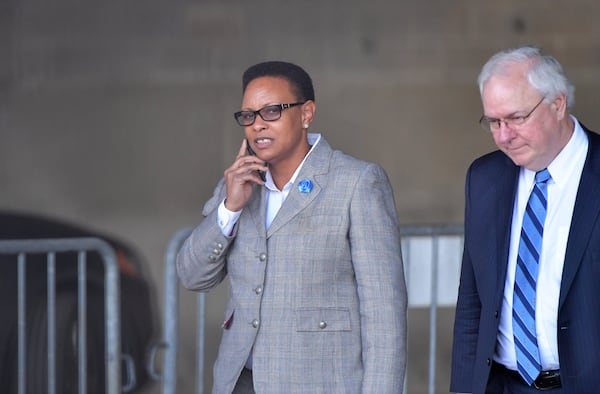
227, 219
566, 171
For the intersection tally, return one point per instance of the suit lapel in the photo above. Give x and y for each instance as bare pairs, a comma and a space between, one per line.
506, 191
585, 215
314, 169
293, 204
257, 207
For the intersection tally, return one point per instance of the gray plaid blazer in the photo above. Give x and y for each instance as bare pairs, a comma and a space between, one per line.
319, 298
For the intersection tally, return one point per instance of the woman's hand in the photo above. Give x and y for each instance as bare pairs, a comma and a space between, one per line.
240, 177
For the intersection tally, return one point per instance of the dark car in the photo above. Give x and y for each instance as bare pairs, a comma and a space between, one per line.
136, 305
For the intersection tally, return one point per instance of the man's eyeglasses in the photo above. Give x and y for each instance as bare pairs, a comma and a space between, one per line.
268, 113
493, 124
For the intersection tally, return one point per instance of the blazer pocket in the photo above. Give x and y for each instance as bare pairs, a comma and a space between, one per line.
318, 222
323, 319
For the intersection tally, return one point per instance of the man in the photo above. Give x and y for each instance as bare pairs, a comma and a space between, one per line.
311, 246
528, 311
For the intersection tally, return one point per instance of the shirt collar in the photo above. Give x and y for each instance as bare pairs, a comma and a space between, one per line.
313, 140
568, 160
572, 156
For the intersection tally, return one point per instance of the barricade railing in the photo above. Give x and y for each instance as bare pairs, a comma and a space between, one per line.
50, 247
435, 235
170, 338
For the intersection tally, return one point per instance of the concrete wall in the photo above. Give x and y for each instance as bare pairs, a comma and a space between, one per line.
118, 114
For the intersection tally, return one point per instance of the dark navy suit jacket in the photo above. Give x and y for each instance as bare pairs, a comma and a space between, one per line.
491, 186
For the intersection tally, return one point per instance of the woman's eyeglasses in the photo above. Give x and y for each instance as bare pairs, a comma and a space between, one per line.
268, 113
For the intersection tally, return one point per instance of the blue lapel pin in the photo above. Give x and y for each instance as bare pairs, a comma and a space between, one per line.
305, 186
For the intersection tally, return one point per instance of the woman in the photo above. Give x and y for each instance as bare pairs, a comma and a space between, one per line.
318, 299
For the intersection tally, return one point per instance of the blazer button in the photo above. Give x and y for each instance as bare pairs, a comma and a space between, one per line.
219, 246
496, 314
323, 325
255, 323
488, 362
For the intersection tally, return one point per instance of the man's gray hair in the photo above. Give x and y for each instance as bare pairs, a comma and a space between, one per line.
545, 73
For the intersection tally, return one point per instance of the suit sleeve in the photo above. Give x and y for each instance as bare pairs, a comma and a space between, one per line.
377, 261
202, 260
468, 312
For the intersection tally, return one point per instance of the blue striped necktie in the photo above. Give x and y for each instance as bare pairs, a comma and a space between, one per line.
530, 247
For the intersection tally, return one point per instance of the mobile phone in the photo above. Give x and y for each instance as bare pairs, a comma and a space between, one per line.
261, 174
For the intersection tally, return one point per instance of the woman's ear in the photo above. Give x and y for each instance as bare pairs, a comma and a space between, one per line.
308, 112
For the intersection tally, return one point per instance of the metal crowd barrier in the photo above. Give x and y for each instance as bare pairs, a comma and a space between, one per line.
434, 233
170, 340
21, 248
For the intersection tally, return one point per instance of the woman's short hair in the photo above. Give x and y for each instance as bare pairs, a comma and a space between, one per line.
298, 78
545, 73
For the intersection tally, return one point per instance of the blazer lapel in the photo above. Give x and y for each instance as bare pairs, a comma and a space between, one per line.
314, 169
257, 207
506, 191
293, 204
585, 215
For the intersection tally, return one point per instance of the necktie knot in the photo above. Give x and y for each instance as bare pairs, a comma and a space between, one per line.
542, 176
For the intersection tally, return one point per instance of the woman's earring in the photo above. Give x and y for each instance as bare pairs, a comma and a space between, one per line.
306, 125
